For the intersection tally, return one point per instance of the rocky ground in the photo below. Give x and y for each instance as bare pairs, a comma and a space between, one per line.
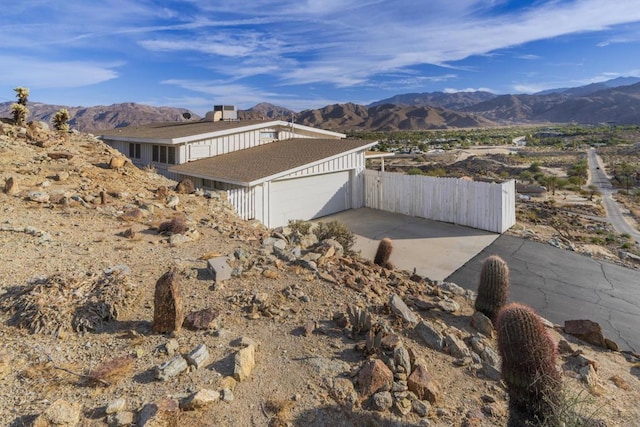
300, 333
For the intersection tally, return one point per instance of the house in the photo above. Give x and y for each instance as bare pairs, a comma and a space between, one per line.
273, 171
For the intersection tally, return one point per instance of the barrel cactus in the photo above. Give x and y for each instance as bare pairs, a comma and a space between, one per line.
385, 247
493, 289
529, 367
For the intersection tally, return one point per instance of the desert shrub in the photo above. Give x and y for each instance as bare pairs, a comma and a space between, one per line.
177, 225
337, 231
299, 226
414, 171
60, 120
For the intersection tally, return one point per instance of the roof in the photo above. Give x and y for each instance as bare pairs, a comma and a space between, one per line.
378, 154
180, 132
252, 166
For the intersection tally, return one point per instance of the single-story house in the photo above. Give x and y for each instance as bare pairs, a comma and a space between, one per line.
273, 171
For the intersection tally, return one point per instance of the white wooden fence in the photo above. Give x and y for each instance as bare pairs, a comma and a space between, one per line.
243, 199
482, 205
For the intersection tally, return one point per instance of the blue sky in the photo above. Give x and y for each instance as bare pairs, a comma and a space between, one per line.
307, 54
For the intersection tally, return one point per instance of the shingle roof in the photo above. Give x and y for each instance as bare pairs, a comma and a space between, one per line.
251, 165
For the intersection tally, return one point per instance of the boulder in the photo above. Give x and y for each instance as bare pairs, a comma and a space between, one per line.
117, 162
201, 319
423, 385
168, 312
185, 187
374, 376
400, 309
586, 330
244, 362
431, 337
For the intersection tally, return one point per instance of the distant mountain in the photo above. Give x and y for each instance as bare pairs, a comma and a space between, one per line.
450, 101
103, 117
593, 87
387, 117
264, 110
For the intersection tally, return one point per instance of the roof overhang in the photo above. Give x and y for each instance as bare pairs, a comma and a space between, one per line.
224, 132
378, 154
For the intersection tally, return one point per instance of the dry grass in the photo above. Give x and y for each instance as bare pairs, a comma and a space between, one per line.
112, 371
177, 225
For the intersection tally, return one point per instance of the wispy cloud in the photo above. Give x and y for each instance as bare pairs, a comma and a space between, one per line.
469, 89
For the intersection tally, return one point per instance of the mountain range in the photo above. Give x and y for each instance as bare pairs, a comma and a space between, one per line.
615, 101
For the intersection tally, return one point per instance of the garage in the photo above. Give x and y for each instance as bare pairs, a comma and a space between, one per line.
309, 197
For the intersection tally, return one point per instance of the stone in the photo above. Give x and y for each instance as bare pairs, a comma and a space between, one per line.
490, 372
400, 309
482, 324
62, 176
200, 399
421, 407
448, 305
431, 337
117, 162
564, 347
162, 192
620, 382
117, 405
422, 384
586, 330
178, 239
390, 341
171, 368
227, 395
57, 155
202, 319
244, 362
490, 356
219, 268
185, 186
59, 414
381, 401
374, 376
121, 419
308, 328
163, 413
456, 347
168, 313
38, 196
403, 406
171, 347
10, 186
172, 201
453, 288
402, 359
611, 345
228, 383
199, 356
343, 392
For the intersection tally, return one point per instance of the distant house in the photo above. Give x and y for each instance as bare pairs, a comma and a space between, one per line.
520, 141
273, 171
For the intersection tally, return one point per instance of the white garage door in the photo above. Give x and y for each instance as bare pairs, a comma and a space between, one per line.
309, 197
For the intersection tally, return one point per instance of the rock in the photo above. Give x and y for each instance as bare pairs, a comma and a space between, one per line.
200, 399
402, 359
400, 309
390, 341
422, 384
586, 330
456, 347
178, 239
117, 162
199, 356
453, 288
228, 383
227, 395
171, 347
490, 372
482, 324
185, 186
421, 407
62, 176
308, 328
59, 414
448, 305
611, 345
374, 376
163, 413
564, 347
38, 196
168, 312
172, 201
381, 401
431, 337
343, 392
10, 186
117, 405
171, 368
244, 362
121, 419
403, 406
202, 319
219, 268
620, 382
57, 155
490, 356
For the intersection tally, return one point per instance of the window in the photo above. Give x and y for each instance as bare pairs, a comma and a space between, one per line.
268, 135
134, 151
163, 154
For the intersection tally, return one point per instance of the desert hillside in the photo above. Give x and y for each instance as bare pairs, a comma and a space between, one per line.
296, 331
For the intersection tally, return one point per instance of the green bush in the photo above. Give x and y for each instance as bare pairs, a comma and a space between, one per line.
299, 226
414, 171
337, 231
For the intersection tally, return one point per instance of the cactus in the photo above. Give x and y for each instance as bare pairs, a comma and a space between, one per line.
60, 120
493, 289
19, 113
528, 367
385, 247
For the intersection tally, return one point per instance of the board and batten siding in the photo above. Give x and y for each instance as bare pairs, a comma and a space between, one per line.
482, 205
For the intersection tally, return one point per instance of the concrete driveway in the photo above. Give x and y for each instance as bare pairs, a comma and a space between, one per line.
563, 285
434, 249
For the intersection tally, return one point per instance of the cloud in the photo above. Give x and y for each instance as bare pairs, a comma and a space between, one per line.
528, 57
36, 73
469, 89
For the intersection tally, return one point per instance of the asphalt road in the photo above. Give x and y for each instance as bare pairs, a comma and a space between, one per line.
563, 285
614, 214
